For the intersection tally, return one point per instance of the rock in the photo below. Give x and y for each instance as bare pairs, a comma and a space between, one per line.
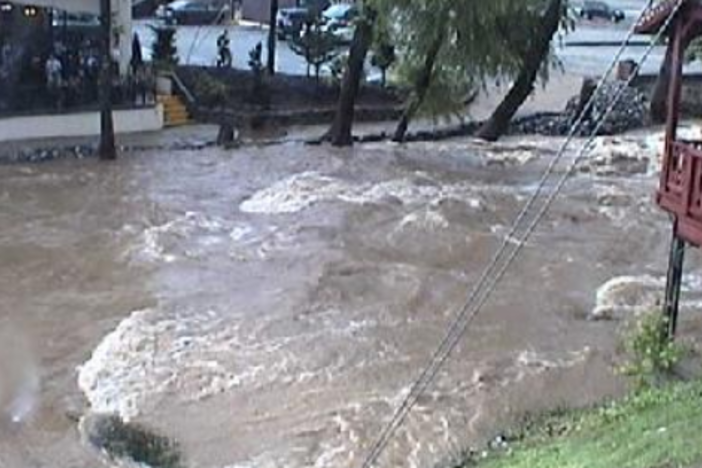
629, 113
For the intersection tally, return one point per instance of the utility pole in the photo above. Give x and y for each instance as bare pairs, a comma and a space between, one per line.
106, 150
272, 36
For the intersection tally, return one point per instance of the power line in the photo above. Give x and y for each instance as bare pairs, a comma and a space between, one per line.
470, 309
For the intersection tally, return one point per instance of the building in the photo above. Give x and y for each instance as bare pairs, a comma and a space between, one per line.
259, 10
121, 24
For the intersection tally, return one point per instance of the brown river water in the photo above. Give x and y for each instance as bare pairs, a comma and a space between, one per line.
269, 307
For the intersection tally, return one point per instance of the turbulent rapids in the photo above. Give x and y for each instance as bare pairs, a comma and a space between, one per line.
269, 307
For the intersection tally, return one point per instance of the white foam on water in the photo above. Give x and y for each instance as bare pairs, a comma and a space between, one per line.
306, 189
429, 220
627, 294
150, 353
622, 156
294, 194
160, 243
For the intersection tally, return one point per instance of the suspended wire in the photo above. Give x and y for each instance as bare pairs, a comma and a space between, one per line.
471, 309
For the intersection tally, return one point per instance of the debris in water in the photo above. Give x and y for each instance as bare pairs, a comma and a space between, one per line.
129, 443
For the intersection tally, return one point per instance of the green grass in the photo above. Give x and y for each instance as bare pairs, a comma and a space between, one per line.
652, 429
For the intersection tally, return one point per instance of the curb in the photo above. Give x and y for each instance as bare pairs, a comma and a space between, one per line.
636, 43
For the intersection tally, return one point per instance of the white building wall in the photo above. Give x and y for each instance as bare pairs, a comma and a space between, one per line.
79, 124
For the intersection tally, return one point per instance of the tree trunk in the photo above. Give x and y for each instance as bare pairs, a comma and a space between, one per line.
420, 88
272, 37
340, 132
106, 149
499, 121
659, 97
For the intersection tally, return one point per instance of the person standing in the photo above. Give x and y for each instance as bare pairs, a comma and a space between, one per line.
53, 71
224, 52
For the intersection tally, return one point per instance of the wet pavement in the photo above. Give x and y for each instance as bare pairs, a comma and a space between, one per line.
270, 306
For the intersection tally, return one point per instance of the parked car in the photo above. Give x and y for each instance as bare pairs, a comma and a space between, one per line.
290, 22
338, 19
194, 12
315, 7
595, 9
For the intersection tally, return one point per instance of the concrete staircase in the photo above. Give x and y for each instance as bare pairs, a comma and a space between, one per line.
174, 111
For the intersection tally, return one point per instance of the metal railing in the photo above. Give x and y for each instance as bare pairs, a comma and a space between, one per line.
71, 96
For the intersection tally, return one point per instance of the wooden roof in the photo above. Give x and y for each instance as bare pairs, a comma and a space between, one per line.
656, 16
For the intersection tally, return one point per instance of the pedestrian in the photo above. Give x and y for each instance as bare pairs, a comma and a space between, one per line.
91, 72
136, 65
224, 52
53, 71
137, 59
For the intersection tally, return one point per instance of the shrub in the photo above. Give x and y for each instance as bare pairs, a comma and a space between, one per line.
383, 58
164, 50
317, 46
210, 91
651, 355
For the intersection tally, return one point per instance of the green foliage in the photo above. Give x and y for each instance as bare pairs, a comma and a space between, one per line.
210, 91
482, 41
317, 46
694, 51
164, 50
383, 56
651, 355
652, 428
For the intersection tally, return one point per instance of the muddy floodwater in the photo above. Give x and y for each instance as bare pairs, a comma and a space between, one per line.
269, 307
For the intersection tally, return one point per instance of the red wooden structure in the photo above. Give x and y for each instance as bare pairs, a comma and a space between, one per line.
680, 189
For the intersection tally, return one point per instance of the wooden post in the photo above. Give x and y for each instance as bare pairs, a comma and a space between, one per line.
674, 282
272, 36
106, 149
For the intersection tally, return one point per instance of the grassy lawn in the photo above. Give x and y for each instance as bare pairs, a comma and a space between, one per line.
653, 429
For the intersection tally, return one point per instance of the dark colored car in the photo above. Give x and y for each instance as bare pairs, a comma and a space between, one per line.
315, 7
290, 21
194, 12
592, 10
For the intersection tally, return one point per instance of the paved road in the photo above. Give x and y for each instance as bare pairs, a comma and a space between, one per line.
197, 46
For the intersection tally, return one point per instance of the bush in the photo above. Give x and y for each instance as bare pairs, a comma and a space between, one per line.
210, 91
164, 50
383, 58
651, 355
316, 46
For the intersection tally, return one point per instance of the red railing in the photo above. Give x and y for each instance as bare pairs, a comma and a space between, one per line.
680, 192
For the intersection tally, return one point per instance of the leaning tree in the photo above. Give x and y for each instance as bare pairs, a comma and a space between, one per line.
447, 50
